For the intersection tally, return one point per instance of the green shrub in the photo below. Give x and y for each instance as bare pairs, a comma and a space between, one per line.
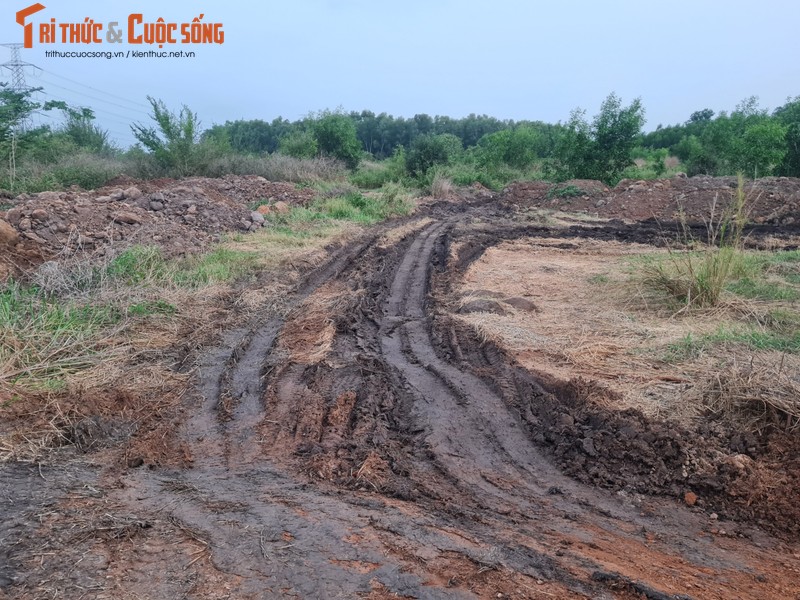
371, 175
299, 144
429, 151
565, 191
337, 137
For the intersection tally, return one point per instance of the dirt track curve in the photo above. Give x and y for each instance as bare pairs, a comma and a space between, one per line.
401, 461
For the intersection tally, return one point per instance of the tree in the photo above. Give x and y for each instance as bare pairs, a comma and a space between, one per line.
788, 115
336, 136
15, 109
600, 150
746, 141
299, 144
701, 116
80, 129
173, 142
517, 148
430, 150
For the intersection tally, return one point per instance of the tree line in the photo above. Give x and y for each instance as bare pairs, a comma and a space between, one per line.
748, 140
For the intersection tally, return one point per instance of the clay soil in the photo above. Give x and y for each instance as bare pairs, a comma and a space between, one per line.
390, 435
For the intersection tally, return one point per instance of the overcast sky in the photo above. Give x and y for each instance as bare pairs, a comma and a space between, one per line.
511, 59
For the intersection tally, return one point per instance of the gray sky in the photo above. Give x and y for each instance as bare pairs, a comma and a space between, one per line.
505, 58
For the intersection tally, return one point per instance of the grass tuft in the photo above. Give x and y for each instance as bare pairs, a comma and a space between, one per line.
698, 279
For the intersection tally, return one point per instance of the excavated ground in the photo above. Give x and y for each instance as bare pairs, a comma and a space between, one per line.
368, 445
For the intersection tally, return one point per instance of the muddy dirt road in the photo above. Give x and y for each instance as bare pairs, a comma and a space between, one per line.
365, 446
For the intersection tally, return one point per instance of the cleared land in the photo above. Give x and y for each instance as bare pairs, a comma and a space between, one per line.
481, 399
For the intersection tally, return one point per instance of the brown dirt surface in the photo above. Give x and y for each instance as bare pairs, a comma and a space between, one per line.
774, 200
367, 443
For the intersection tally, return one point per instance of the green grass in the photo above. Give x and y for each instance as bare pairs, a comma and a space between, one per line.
138, 264
780, 340
146, 266
698, 279
762, 290
43, 338
599, 279
352, 206
219, 266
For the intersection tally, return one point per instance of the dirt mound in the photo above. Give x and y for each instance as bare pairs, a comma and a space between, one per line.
182, 217
745, 477
773, 200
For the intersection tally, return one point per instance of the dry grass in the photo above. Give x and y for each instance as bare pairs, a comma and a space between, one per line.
311, 328
592, 323
394, 235
441, 187
753, 394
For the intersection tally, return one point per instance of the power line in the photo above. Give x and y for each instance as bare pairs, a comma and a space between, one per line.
83, 94
139, 104
98, 110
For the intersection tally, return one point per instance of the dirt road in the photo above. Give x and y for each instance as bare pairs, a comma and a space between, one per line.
366, 446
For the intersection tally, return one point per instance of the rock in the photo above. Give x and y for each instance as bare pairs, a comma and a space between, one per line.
566, 420
49, 196
191, 210
588, 447
8, 235
257, 217
117, 195
157, 197
34, 238
263, 209
522, 304
39, 215
156, 206
126, 217
24, 224
690, 498
103, 199
680, 176
600, 203
483, 305
281, 207
135, 462
13, 216
133, 193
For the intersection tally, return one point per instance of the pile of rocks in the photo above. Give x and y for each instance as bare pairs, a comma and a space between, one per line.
182, 217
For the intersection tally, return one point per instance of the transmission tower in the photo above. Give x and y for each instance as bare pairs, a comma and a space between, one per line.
17, 68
